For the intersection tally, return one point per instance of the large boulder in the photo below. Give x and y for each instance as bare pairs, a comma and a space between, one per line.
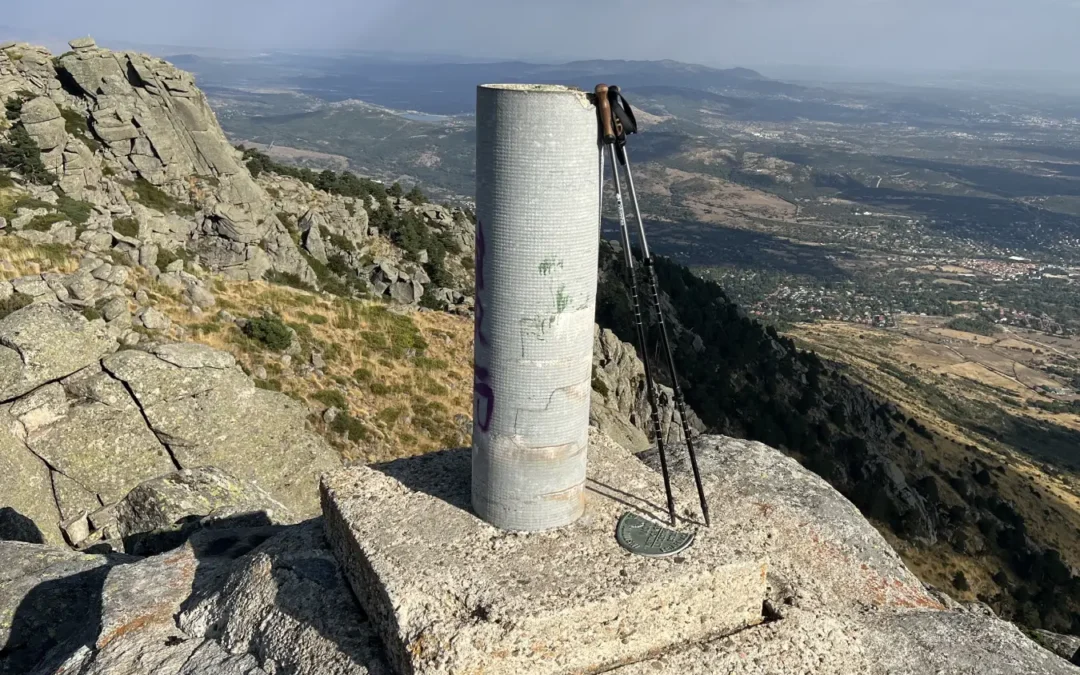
43, 122
161, 513
208, 413
104, 448
26, 492
78, 430
44, 342
241, 601
262, 600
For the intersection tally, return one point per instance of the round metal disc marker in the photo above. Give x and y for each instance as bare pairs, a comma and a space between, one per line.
644, 537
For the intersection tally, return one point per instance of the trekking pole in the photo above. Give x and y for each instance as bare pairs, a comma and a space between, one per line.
624, 123
609, 139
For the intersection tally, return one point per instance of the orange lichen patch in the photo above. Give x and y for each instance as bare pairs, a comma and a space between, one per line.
135, 624
160, 607
895, 593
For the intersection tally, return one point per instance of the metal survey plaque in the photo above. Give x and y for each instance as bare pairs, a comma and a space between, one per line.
644, 537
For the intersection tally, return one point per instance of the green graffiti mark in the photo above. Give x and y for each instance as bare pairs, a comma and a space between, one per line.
549, 265
562, 300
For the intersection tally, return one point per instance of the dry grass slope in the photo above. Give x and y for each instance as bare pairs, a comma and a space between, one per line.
403, 378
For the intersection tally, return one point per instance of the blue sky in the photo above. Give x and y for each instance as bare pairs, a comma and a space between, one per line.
915, 34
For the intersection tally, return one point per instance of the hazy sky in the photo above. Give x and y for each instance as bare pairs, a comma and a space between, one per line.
916, 34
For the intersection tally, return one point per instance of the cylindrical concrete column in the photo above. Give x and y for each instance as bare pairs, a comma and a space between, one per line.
537, 240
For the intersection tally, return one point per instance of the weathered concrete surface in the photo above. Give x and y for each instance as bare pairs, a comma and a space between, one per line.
906, 642
451, 594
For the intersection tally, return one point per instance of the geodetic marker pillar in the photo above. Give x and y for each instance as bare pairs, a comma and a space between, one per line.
537, 240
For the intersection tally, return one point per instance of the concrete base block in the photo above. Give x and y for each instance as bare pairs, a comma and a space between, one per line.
450, 594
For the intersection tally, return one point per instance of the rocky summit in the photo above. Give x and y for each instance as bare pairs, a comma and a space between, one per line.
133, 161
151, 505
165, 509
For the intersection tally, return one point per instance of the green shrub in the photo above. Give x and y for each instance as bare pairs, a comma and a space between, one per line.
77, 211
317, 319
327, 280
303, 331
286, 279
270, 331
13, 108
363, 375
433, 388
347, 425
427, 363
390, 416
14, 303
380, 389
166, 257
154, 197
75, 124
22, 154
332, 351
331, 398
129, 227
44, 223
415, 195
269, 385
340, 241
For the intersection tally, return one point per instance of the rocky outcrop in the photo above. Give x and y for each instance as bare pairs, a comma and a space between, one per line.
106, 120
242, 600
81, 424
248, 597
98, 289
133, 138
620, 401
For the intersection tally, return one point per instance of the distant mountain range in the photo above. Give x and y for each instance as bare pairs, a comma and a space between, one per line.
449, 88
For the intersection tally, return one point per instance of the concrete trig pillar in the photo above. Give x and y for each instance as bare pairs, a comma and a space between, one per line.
537, 240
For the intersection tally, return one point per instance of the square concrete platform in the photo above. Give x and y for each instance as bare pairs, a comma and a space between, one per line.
450, 594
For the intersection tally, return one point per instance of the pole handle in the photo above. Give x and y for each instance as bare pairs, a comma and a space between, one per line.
603, 108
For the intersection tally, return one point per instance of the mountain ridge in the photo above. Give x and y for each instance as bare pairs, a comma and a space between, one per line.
360, 243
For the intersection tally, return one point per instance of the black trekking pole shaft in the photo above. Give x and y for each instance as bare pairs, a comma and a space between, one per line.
639, 324
650, 268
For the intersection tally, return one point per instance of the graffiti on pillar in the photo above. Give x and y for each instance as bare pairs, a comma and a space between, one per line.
483, 394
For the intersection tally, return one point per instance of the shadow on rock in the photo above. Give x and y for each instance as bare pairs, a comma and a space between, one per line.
237, 592
438, 474
60, 610
14, 526
61, 591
